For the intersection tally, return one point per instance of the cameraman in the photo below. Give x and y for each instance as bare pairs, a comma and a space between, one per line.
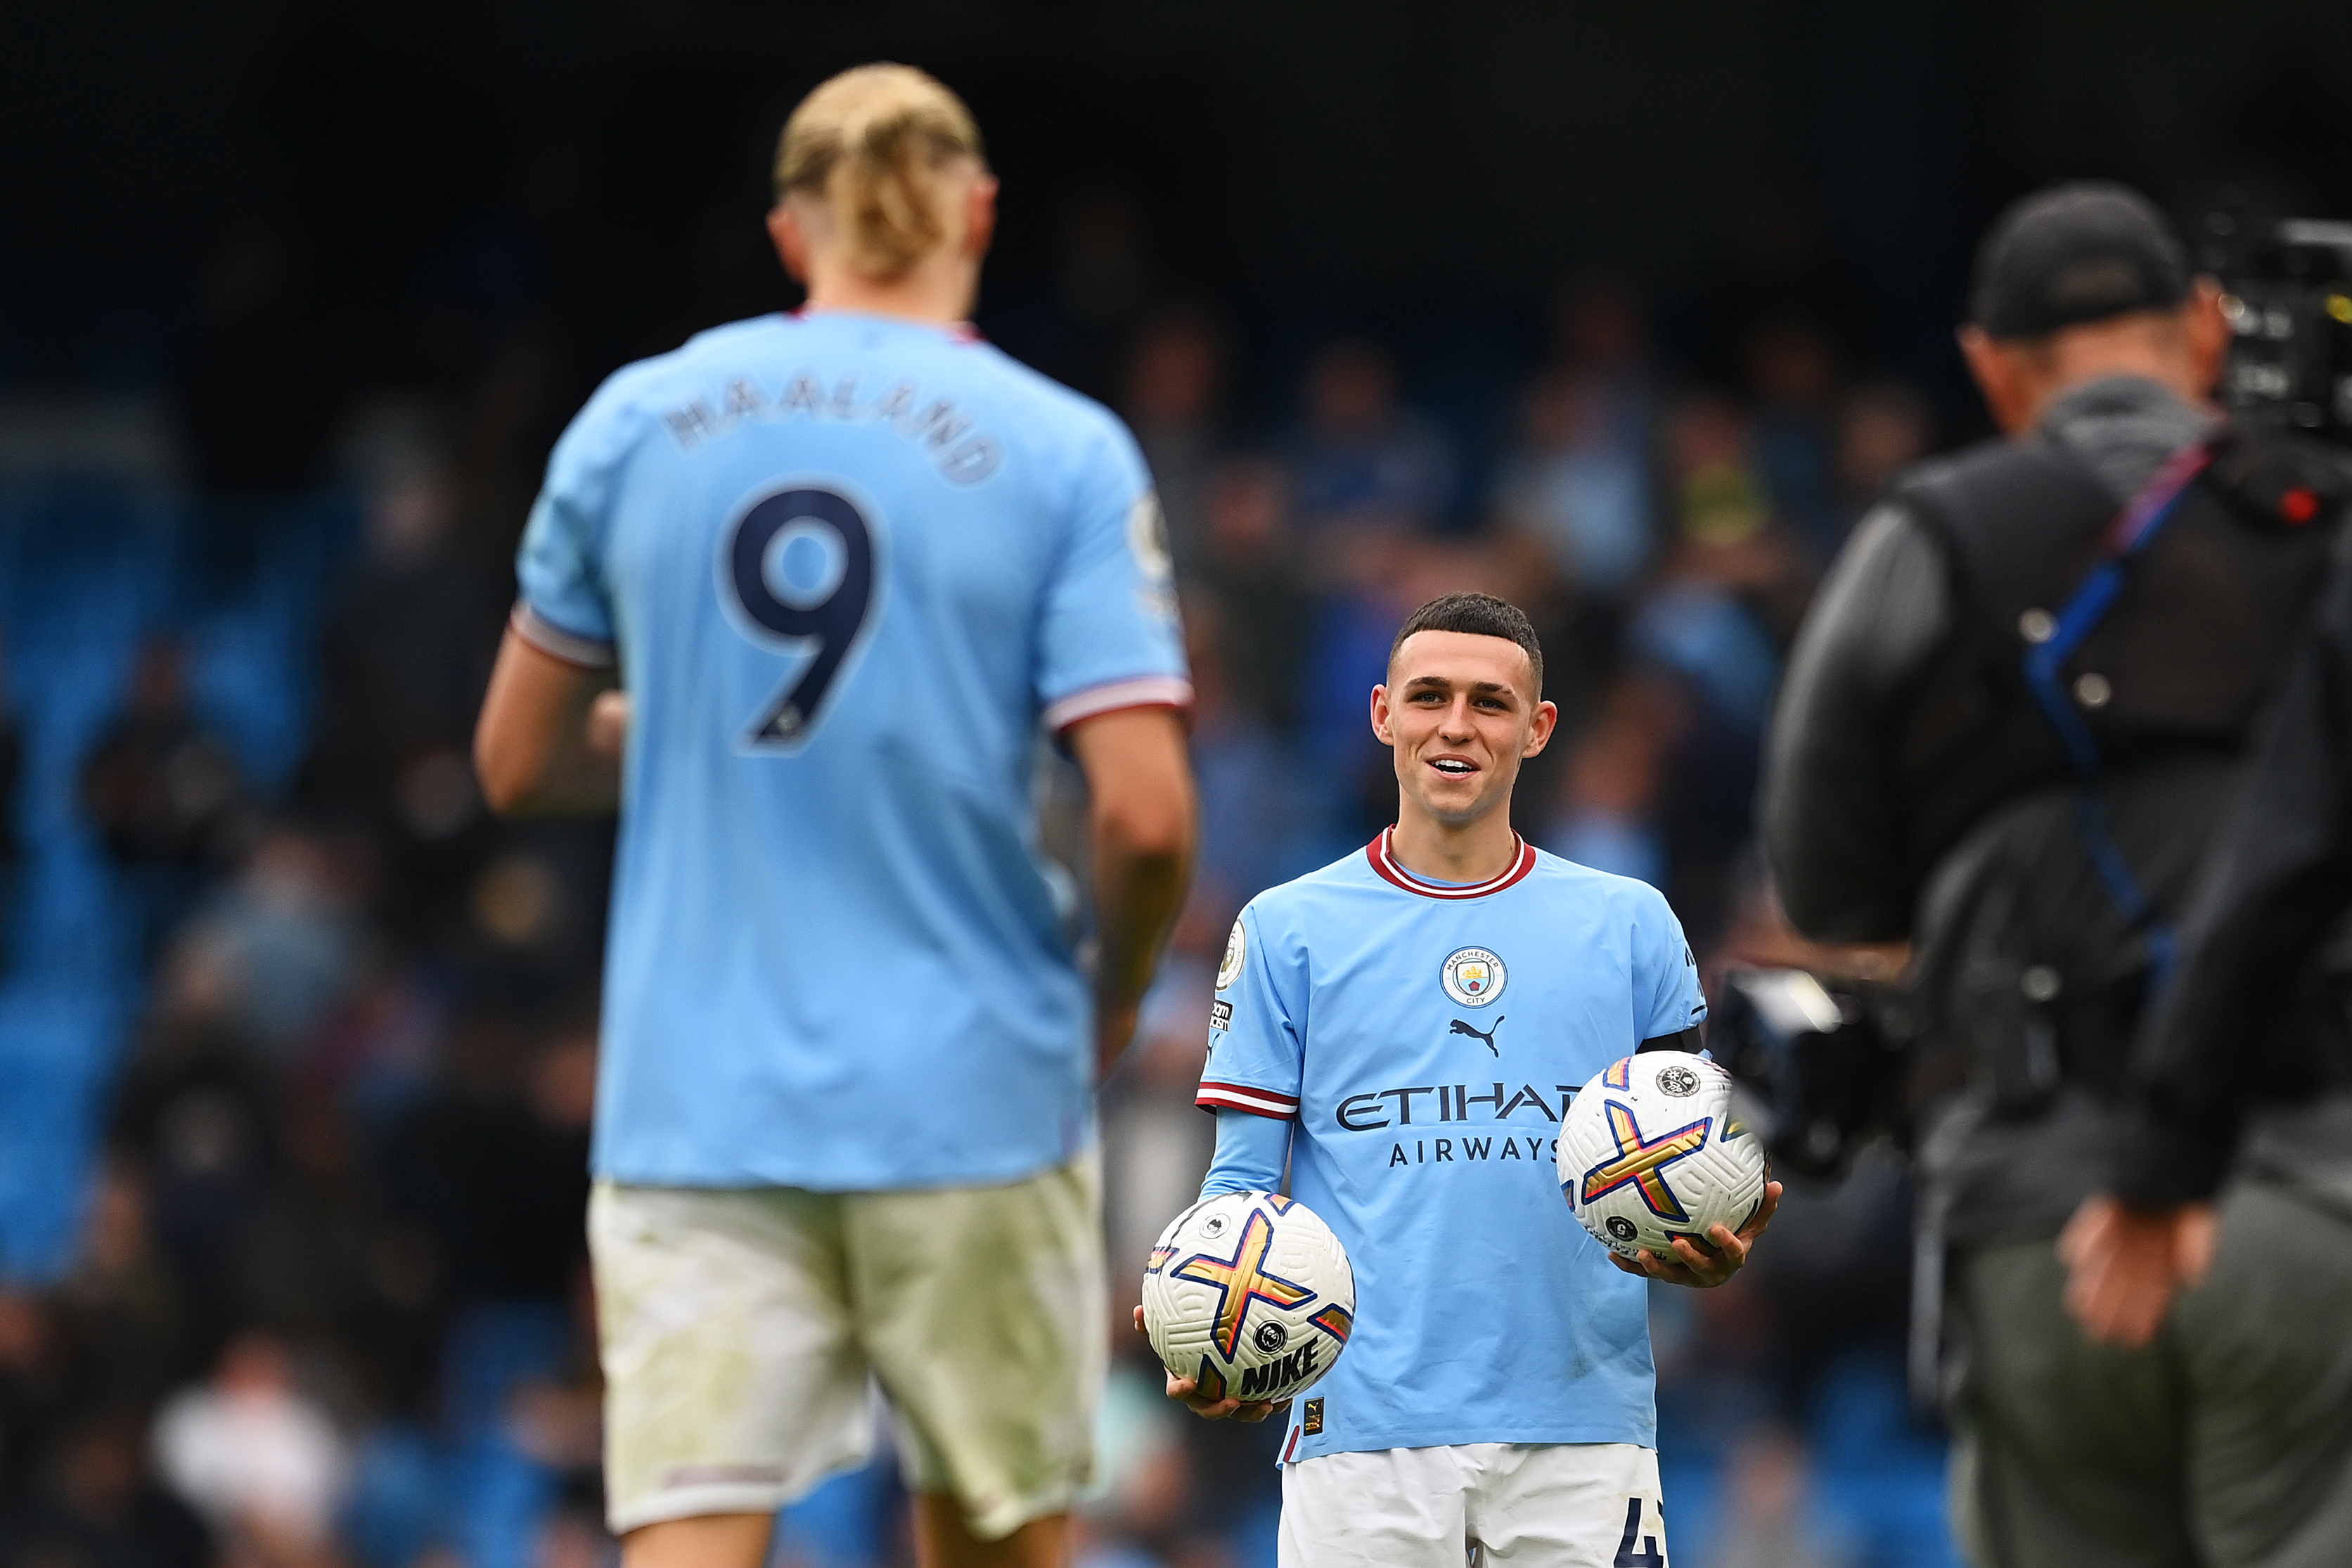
2009, 727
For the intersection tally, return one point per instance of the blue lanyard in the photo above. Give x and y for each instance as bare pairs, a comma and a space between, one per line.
2133, 529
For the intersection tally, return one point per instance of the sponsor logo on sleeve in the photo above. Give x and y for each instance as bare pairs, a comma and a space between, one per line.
1220, 1015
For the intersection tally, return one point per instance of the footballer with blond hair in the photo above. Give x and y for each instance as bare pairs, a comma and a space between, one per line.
805, 596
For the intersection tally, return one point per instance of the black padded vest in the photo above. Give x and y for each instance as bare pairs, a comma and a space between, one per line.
2182, 659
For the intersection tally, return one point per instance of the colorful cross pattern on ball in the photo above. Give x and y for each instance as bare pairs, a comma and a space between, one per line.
1642, 1161
1241, 1279
1335, 1321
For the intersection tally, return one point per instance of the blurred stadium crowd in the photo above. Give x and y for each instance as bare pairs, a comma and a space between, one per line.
297, 1044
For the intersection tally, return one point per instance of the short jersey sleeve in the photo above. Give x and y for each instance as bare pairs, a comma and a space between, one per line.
1666, 991
566, 607
1109, 637
1256, 1052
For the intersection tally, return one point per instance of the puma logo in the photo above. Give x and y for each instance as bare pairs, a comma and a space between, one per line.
1486, 1035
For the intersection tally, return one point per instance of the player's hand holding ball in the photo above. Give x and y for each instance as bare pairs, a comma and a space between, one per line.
1248, 1298
1657, 1167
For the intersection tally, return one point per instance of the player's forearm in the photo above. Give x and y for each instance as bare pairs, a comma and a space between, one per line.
1140, 872
1252, 1153
543, 745
1141, 832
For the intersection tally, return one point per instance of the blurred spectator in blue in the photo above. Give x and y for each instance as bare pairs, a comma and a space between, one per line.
1578, 483
1793, 373
164, 794
1883, 427
1600, 336
1607, 813
1363, 462
1261, 811
257, 1456
1247, 575
1578, 486
1174, 384
1733, 579
276, 950
1732, 584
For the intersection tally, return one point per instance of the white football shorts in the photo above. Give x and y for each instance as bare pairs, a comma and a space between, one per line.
738, 1328
1545, 1505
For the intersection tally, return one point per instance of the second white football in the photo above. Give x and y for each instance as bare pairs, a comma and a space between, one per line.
1249, 1294
1651, 1149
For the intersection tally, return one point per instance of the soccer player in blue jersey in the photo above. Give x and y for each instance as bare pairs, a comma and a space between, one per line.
1404, 1030
851, 566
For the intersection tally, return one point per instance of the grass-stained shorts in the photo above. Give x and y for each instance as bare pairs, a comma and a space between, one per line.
739, 1326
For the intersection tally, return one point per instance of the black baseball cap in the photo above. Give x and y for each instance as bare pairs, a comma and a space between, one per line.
2077, 252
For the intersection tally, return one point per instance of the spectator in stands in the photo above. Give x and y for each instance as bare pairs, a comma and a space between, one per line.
1577, 487
1250, 578
197, 1113
1792, 372
407, 651
164, 793
1733, 580
97, 1503
256, 1457
1363, 463
1175, 381
1600, 336
277, 947
1607, 816
1882, 428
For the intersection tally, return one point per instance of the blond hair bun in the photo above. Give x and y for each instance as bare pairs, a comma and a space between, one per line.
874, 143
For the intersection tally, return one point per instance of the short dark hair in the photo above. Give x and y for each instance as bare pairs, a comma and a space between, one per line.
1480, 614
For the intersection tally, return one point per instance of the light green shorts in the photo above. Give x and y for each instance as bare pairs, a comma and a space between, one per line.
740, 1328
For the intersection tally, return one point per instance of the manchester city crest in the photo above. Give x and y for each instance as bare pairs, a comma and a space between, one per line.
1472, 976
1236, 949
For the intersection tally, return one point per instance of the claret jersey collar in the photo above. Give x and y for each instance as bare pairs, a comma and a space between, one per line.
1382, 852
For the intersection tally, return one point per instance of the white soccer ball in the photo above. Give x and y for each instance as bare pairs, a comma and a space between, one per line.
1651, 1149
1249, 1294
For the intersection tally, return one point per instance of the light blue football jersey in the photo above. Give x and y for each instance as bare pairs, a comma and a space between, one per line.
852, 570
1426, 1038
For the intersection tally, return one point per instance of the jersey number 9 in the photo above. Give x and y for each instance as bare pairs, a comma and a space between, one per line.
800, 564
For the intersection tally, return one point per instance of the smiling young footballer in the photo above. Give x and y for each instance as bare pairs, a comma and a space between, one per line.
1403, 1029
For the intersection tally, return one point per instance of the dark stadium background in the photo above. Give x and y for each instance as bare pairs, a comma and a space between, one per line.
294, 1043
